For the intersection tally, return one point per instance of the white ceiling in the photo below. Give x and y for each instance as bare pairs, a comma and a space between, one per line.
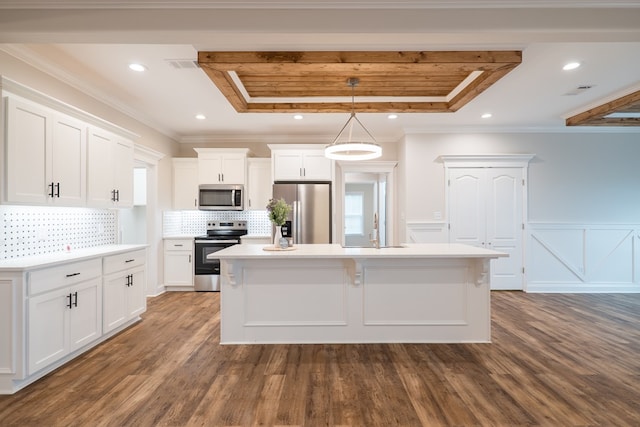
91, 47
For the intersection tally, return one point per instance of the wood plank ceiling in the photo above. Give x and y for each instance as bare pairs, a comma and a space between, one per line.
403, 82
605, 114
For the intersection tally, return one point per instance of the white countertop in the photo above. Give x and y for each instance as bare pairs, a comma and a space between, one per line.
38, 261
435, 250
178, 236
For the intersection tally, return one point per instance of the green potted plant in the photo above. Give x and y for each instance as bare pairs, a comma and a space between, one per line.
278, 212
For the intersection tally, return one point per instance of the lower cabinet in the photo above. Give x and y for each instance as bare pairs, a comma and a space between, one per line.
51, 313
178, 264
124, 286
63, 319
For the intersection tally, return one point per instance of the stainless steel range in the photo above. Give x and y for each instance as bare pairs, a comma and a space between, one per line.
220, 235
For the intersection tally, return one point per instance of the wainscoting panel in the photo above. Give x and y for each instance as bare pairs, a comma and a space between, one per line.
582, 258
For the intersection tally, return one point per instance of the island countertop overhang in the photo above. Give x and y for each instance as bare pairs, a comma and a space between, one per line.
333, 251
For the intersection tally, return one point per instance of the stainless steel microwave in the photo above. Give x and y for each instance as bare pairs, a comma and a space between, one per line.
221, 197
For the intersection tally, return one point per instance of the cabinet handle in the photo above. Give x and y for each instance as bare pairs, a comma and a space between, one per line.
75, 299
73, 274
113, 195
219, 180
222, 177
69, 303
301, 172
304, 171
50, 192
178, 245
130, 280
195, 203
117, 195
130, 260
189, 258
58, 190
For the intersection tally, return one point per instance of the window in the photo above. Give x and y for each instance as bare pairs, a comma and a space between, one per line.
354, 213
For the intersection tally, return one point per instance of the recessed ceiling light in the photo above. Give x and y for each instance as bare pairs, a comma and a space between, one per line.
200, 116
392, 116
298, 117
137, 67
571, 66
486, 115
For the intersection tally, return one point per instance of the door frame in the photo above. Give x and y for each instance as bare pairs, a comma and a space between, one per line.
483, 161
377, 167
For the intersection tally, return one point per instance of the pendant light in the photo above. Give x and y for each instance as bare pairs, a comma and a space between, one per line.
350, 148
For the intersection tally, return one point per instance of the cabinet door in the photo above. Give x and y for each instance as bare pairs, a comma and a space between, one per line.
259, 183
210, 169
123, 172
287, 166
316, 167
136, 300
114, 301
68, 158
234, 168
85, 316
178, 268
100, 168
28, 132
185, 184
48, 339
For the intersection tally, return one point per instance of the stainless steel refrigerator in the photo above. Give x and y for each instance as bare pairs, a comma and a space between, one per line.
310, 219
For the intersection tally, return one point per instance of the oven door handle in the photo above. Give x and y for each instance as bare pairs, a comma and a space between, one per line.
213, 242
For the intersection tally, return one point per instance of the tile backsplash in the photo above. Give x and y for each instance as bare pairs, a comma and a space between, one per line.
35, 230
193, 223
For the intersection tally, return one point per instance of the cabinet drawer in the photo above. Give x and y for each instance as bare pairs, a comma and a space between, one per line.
51, 278
178, 245
124, 261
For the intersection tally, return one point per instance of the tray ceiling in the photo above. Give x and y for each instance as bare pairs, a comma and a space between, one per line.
623, 111
403, 82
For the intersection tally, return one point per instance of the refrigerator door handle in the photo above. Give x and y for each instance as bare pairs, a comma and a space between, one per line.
298, 217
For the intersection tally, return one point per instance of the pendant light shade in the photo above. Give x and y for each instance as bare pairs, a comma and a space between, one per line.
354, 141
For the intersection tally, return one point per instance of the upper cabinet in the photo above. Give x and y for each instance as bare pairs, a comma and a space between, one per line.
46, 156
259, 183
222, 166
185, 183
110, 170
300, 163
55, 154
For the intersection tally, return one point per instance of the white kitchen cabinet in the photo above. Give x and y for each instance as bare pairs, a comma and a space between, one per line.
178, 264
185, 183
222, 166
300, 163
46, 156
109, 170
259, 183
64, 311
124, 285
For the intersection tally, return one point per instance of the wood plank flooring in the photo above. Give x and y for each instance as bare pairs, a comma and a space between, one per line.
555, 360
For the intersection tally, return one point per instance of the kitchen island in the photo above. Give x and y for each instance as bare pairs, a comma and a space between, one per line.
418, 293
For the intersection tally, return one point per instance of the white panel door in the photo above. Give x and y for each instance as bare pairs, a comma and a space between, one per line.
234, 168
504, 214
466, 207
85, 316
486, 210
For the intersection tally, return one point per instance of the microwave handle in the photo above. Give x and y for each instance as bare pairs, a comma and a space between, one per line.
233, 197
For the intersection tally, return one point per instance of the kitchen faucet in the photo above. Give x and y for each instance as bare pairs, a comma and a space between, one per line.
376, 231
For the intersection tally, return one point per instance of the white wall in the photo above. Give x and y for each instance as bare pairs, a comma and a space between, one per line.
583, 188
33, 78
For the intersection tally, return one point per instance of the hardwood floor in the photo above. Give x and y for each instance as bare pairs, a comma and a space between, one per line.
555, 360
